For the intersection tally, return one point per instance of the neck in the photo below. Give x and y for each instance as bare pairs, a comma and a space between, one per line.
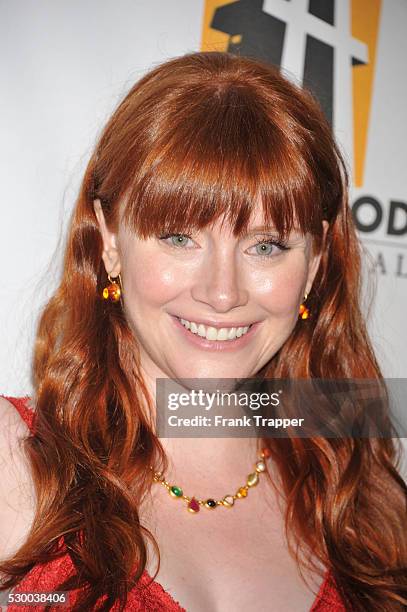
208, 463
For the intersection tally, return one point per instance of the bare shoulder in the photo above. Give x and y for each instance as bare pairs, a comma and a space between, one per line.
17, 498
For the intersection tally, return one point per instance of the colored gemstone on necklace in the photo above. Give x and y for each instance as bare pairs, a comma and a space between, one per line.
228, 501
260, 466
242, 492
193, 505
210, 503
176, 491
252, 479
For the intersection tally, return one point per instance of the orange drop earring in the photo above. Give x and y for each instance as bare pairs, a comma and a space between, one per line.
113, 290
304, 311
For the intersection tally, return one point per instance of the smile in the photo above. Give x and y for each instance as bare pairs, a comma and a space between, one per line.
213, 333
236, 337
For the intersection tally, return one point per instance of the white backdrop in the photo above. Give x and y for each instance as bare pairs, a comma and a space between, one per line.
65, 65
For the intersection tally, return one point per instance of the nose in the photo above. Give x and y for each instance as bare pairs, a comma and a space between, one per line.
220, 283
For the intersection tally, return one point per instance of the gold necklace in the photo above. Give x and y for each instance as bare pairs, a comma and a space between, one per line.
194, 504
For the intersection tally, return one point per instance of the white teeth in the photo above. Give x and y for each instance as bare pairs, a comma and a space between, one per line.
232, 333
222, 334
201, 331
212, 333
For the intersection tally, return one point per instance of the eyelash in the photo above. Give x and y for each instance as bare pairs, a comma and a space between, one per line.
281, 245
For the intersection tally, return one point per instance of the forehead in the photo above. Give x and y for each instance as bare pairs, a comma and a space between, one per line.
256, 221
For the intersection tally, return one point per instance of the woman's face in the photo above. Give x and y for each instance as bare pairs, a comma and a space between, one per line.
216, 284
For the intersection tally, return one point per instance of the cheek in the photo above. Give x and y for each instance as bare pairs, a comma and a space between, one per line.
150, 281
280, 290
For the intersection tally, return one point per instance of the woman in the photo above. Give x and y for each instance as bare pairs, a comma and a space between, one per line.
215, 199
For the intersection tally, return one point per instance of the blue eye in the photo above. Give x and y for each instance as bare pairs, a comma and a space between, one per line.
177, 240
270, 247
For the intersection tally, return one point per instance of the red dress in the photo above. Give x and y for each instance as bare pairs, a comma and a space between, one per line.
48, 576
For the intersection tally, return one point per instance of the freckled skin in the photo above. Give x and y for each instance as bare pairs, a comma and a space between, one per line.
212, 275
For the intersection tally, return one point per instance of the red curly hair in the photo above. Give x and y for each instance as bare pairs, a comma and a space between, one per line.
197, 138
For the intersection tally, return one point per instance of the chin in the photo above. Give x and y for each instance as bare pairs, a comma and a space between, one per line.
214, 371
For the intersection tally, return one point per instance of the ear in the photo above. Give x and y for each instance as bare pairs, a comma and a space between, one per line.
110, 254
315, 260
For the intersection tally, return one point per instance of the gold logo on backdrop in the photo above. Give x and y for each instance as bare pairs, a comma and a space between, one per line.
262, 28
